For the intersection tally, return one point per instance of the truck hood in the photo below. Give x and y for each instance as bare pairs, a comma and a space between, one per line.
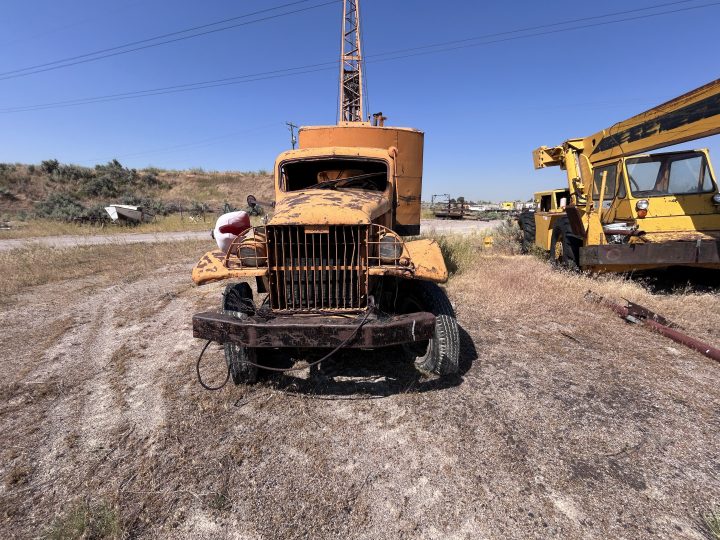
330, 207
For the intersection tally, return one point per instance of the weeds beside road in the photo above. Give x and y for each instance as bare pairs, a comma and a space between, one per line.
565, 422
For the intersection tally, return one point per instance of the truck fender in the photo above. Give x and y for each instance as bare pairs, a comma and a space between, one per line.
427, 259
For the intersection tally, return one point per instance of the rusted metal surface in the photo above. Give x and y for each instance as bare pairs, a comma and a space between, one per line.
318, 268
640, 315
322, 207
313, 331
321, 267
653, 254
402, 147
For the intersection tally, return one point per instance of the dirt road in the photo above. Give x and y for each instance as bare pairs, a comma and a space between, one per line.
65, 241
564, 423
427, 226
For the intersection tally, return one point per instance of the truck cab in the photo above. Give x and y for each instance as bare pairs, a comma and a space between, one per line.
665, 200
536, 223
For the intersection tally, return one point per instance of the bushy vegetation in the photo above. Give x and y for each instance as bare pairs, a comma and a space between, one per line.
459, 251
75, 193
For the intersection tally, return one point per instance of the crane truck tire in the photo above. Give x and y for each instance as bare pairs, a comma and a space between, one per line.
564, 246
238, 302
527, 226
441, 354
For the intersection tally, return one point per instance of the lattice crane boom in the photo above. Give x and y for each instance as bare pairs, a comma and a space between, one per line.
352, 106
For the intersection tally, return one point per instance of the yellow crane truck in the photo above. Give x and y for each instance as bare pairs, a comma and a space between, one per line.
630, 210
333, 262
547, 205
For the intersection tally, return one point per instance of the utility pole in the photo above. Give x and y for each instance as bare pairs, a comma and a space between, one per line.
293, 139
351, 78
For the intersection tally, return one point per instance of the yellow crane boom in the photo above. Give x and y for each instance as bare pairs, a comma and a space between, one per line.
693, 115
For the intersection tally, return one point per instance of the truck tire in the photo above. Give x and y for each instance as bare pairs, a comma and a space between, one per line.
527, 225
565, 246
237, 301
441, 354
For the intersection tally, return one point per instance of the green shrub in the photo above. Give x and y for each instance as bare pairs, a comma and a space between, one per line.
72, 173
459, 251
49, 166
61, 206
507, 237
6, 194
148, 204
199, 208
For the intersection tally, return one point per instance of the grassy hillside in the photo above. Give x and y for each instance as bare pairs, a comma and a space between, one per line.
58, 191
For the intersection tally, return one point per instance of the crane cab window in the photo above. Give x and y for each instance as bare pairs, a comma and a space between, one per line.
669, 174
545, 203
334, 174
610, 184
559, 196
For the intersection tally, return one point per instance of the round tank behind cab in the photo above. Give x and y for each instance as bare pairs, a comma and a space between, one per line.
409, 161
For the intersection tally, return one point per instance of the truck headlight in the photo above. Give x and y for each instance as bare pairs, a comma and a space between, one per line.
716, 198
642, 207
390, 249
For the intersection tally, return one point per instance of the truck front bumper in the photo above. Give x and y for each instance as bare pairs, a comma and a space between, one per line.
652, 255
311, 331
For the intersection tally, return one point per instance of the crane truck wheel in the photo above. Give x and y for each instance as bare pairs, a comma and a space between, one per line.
440, 354
564, 246
238, 302
527, 225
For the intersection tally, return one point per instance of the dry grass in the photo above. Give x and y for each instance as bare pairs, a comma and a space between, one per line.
35, 228
215, 188
84, 520
565, 422
711, 520
122, 263
531, 287
459, 251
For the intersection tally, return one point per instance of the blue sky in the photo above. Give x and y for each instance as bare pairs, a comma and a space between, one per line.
483, 108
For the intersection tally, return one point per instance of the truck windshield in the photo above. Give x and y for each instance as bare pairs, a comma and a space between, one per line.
334, 173
669, 174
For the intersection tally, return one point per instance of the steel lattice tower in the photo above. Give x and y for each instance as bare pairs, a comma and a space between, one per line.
351, 78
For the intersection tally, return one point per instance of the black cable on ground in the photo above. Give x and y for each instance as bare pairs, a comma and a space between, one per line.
197, 368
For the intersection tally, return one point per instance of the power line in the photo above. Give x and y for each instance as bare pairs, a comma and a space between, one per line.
561, 23
73, 24
378, 57
83, 58
300, 70
444, 46
116, 51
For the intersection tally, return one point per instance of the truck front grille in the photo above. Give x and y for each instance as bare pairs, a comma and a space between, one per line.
318, 268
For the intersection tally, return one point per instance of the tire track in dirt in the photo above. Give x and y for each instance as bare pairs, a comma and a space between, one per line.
110, 361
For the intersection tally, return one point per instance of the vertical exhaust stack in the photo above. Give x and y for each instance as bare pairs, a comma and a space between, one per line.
352, 106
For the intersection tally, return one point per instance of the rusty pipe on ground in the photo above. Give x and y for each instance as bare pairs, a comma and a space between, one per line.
640, 315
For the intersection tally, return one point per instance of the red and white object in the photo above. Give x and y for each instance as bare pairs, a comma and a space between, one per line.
228, 227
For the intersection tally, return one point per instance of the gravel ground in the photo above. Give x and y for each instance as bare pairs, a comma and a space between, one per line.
563, 423
65, 241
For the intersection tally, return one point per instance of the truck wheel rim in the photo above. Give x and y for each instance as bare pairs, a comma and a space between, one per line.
559, 250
